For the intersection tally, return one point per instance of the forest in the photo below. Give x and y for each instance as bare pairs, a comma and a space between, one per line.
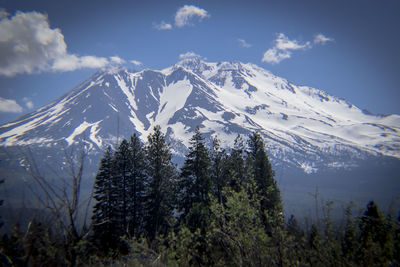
223, 207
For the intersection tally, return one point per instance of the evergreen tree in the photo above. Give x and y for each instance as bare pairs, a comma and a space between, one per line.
294, 229
373, 237
161, 174
396, 242
314, 246
136, 187
349, 243
261, 170
195, 182
237, 171
105, 222
218, 169
122, 176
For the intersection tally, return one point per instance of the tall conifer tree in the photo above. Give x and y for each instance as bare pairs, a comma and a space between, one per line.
162, 175
136, 187
237, 172
218, 169
195, 184
105, 223
122, 176
262, 173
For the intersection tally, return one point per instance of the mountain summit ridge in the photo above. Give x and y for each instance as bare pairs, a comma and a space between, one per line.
303, 126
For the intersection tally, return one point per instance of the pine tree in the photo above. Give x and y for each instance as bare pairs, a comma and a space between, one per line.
237, 172
136, 187
122, 176
261, 170
349, 243
105, 224
195, 182
162, 175
218, 169
373, 236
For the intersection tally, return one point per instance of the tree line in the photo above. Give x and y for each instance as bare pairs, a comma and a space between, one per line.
221, 208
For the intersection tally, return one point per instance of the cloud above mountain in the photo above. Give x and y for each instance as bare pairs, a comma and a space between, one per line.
29, 45
9, 106
189, 54
243, 43
163, 26
184, 16
284, 47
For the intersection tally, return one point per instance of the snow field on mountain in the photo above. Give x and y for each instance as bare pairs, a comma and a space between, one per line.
223, 99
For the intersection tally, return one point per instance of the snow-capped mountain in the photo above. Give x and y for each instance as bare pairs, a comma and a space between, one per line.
302, 126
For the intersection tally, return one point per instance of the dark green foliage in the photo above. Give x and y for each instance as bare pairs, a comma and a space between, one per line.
136, 187
374, 239
195, 181
120, 196
218, 169
105, 220
261, 171
160, 193
236, 166
396, 242
226, 210
349, 243
121, 177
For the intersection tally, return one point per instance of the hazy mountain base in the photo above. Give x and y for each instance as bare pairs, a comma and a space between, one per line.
375, 179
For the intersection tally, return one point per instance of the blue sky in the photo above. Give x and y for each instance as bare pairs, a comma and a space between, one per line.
346, 48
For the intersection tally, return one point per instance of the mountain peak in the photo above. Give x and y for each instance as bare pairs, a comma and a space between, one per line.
194, 64
224, 99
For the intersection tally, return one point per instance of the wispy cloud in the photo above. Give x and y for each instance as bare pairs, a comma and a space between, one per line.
322, 39
117, 60
183, 17
9, 106
243, 43
28, 102
136, 62
189, 55
283, 43
29, 45
163, 26
284, 47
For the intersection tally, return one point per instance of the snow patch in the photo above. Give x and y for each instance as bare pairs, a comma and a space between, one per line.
82, 128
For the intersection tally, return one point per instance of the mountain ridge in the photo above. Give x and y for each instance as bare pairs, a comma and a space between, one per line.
303, 126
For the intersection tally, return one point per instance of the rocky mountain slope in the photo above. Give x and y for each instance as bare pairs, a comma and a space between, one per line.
303, 127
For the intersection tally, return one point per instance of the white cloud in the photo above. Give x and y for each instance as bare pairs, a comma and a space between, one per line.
117, 60
275, 56
283, 43
243, 43
322, 39
163, 26
136, 62
284, 47
29, 45
189, 55
72, 62
9, 106
28, 103
187, 12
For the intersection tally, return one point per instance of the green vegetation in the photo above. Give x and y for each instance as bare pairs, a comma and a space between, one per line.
222, 208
